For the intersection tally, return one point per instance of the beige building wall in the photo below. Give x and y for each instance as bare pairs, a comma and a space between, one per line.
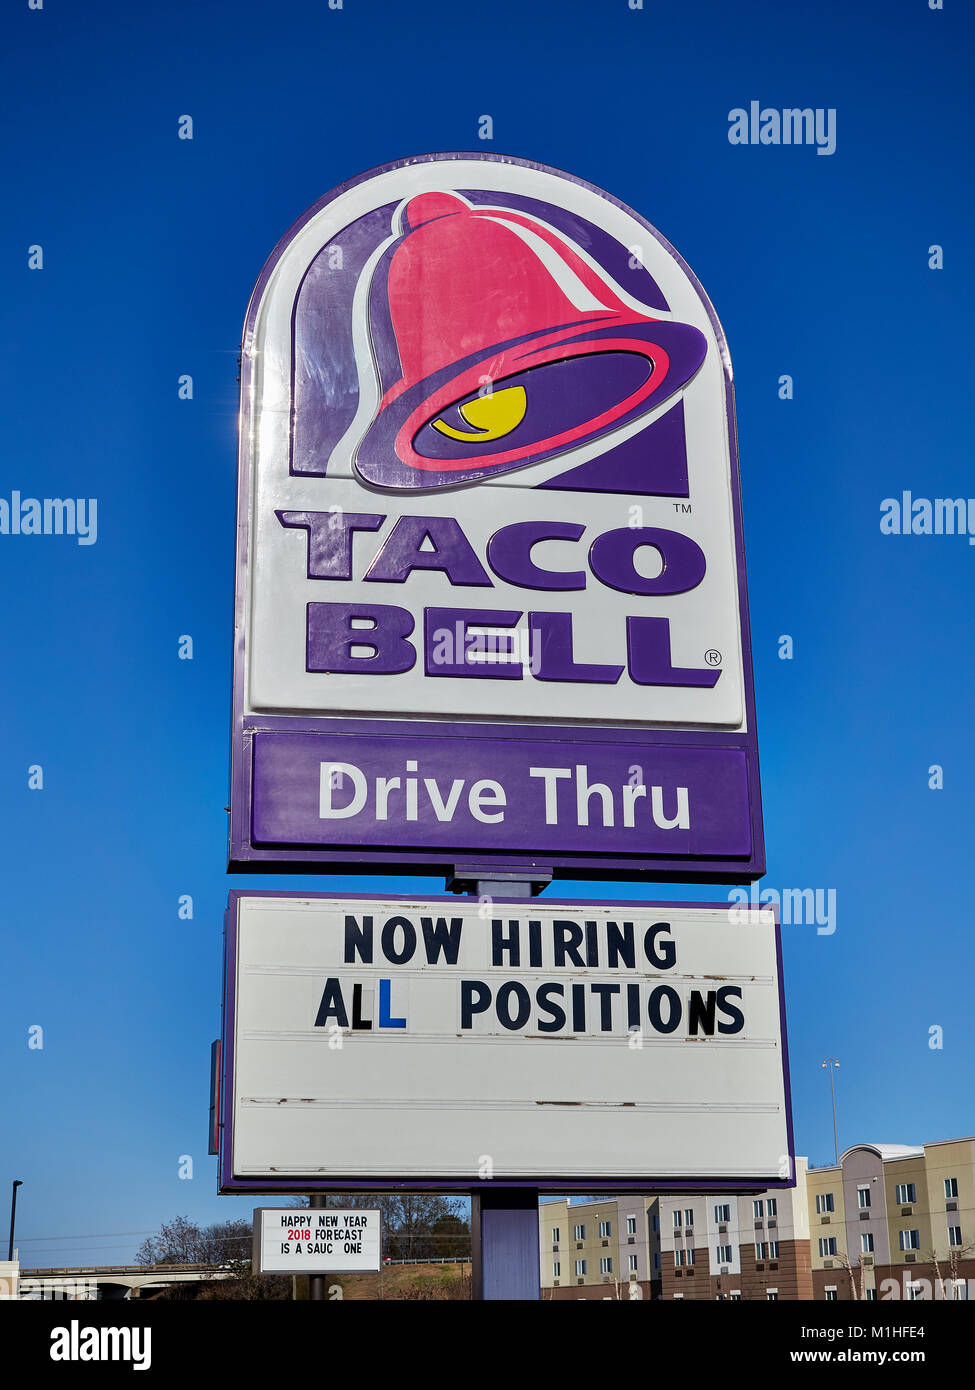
904, 1215
591, 1249
825, 1224
953, 1160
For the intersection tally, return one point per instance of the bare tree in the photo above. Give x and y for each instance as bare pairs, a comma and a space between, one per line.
182, 1242
955, 1254
931, 1257
416, 1225
844, 1258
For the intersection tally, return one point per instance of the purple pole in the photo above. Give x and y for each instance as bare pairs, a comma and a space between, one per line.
504, 1223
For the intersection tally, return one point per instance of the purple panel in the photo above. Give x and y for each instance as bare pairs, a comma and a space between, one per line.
504, 1228
553, 744
287, 795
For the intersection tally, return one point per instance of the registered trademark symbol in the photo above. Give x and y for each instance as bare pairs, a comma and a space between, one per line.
712, 657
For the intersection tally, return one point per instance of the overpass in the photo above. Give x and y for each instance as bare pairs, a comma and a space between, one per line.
88, 1282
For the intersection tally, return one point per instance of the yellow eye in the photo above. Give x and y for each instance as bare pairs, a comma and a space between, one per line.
492, 416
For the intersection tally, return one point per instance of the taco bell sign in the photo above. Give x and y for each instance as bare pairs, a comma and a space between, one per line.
491, 605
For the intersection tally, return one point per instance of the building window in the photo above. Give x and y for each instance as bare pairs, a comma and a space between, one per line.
906, 1193
772, 1295
633, 1264
910, 1240
954, 1235
677, 1217
724, 1254
827, 1246
656, 1224
631, 1225
604, 1229
951, 1187
760, 1250
866, 1243
772, 1206
831, 1293
913, 1292
580, 1233
656, 1259
758, 1210
555, 1235
691, 1256
773, 1249
556, 1269
678, 1295
605, 1265
722, 1215
863, 1197
824, 1202
580, 1266
689, 1217
870, 1295
735, 1296
678, 1258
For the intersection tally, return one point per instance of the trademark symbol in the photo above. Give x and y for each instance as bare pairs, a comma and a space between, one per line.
712, 657
684, 507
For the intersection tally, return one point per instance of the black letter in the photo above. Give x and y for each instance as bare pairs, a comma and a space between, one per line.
471, 1004
358, 1022
567, 938
619, 944
556, 1010
701, 1012
441, 940
605, 993
358, 940
737, 1017
332, 1006
664, 958
389, 940
674, 1005
501, 943
524, 1005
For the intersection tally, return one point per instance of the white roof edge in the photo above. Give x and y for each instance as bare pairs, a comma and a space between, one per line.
887, 1151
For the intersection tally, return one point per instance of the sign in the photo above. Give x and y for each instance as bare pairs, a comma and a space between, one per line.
215, 1119
568, 1046
316, 1242
491, 597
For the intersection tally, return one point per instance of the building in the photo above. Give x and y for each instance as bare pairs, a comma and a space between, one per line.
721, 1246
894, 1221
599, 1248
889, 1221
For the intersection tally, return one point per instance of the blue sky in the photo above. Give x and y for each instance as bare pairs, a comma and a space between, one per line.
818, 268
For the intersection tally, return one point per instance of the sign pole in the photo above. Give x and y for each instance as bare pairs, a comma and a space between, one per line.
504, 1223
316, 1282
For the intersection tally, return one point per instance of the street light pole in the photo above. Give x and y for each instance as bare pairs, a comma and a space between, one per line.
831, 1062
13, 1217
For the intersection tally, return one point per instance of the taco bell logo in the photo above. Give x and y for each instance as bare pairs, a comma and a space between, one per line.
482, 295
